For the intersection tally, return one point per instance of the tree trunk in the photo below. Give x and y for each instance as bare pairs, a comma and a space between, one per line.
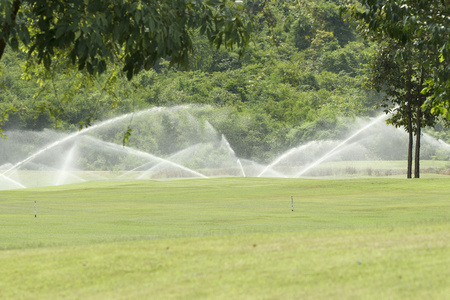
2, 48
410, 142
419, 114
6, 27
417, 152
410, 121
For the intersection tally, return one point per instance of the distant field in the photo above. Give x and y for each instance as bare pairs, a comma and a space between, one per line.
325, 170
229, 238
382, 168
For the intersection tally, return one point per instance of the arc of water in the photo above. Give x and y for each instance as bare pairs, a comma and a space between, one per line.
444, 144
210, 130
333, 151
278, 160
73, 135
13, 181
170, 158
135, 169
38, 166
146, 155
171, 163
238, 161
149, 164
141, 176
253, 165
242, 168
436, 142
63, 174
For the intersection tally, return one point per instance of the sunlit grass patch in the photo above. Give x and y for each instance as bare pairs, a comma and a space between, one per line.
228, 238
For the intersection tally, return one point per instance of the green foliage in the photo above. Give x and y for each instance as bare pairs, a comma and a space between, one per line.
91, 34
96, 43
419, 25
412, 36
302, 32
292, 94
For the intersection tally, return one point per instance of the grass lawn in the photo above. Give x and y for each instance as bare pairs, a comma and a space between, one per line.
228, 238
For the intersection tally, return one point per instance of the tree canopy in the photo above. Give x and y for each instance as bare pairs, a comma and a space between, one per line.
90, 34
423, 25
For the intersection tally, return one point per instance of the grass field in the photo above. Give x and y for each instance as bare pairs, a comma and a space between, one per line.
229, 238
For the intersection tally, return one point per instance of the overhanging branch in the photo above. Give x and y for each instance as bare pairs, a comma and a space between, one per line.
6, 28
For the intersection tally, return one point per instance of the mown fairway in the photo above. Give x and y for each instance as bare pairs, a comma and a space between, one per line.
232, 238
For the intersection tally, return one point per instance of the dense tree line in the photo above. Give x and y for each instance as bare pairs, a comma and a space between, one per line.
302, 75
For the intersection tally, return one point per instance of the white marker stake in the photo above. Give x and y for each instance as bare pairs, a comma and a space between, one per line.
35, 213
292, 202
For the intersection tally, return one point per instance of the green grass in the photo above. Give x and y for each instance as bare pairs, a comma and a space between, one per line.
231, 238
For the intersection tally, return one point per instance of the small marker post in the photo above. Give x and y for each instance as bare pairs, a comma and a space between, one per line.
35, 212
292, 203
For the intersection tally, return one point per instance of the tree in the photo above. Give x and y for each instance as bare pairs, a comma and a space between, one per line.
423, 25
93, 36
402, 83
411, 69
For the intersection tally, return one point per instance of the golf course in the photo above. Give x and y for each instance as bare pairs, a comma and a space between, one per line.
228, 238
